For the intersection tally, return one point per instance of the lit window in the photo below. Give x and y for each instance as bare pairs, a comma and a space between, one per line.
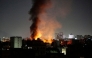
64, 51
75, 38
29, 47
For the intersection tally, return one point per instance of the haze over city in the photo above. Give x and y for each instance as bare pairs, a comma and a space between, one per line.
75, 16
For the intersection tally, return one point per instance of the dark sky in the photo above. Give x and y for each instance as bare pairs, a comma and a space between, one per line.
14, 17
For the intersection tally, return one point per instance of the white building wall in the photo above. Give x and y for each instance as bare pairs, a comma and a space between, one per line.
16, 42
71, 36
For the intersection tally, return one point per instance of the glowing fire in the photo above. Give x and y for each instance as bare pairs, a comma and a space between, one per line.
38, 35
47, 28
48, 40
43, 25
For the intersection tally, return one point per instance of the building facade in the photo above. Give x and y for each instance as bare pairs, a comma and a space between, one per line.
16, 42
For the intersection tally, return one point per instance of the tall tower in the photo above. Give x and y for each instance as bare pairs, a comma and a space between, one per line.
16, 42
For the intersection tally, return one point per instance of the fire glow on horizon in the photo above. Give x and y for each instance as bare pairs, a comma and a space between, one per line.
43, 26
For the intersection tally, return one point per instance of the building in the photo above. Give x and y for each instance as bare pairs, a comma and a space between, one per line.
71, 36
16, 42
5, 39
78, 37
59, 35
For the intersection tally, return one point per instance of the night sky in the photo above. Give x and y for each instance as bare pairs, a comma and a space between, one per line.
75, 16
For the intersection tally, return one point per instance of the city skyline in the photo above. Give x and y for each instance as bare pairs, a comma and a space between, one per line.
14, 17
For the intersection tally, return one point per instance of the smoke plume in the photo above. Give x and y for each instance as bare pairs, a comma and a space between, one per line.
37, 8
43, 26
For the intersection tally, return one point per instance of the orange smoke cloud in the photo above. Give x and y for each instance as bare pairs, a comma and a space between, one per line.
43, 26
47, 27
